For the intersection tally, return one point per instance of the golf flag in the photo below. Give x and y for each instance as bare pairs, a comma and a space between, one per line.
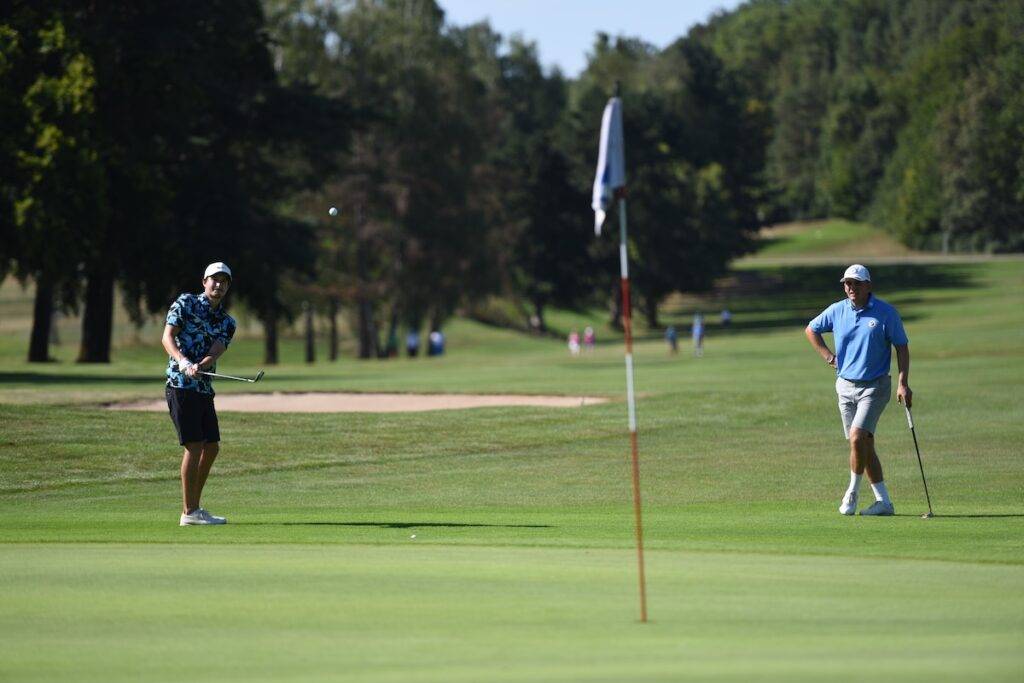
611, 163
609, 186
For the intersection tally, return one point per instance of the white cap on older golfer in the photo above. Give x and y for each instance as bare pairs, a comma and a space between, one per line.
854, 272
215, 268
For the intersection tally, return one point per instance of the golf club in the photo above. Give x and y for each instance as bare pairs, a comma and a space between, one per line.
910, 421
259, 376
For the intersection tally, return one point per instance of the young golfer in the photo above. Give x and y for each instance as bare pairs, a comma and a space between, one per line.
864, 328
198, 331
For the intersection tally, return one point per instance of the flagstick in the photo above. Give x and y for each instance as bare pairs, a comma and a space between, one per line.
631, 399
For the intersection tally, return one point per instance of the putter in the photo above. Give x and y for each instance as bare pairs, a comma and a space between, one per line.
259, 376
910, 422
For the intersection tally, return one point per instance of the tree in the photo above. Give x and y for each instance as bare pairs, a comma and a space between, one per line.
693, 183
48, 87
411, 238
530, 194
140, 162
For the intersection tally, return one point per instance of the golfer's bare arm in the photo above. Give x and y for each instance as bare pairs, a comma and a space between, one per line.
171, 347
819, 345
215, 352
903, 392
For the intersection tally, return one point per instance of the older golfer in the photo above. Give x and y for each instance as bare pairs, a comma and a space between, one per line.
863, 327
198, 331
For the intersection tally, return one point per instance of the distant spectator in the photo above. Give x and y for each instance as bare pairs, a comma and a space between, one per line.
698, 334
726, 318
435, 343
412, 343
589, 339
574, 343
672, 337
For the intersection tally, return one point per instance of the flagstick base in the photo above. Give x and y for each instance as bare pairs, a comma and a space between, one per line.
639, 526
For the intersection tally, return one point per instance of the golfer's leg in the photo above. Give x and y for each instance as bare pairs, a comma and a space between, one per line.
210, 451
869, 409
862, 454
190, 475
860, 451
873, 465
847, 411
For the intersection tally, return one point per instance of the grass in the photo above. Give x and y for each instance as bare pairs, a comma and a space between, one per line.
522, 567
825, 239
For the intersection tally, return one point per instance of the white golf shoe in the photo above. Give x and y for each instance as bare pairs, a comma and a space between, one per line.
879, 508
849, 504
212, 519
200, 517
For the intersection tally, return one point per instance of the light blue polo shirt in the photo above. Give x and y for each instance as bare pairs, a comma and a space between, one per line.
862, 337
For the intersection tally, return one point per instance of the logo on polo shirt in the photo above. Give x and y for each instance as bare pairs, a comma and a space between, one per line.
872, 323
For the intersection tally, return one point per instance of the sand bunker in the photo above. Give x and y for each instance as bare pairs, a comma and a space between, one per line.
369, 403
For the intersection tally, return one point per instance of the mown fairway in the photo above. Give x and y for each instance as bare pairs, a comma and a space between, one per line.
523, 565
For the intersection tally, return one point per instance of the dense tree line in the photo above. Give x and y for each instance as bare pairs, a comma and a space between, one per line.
143, 140
907, 113
140, 141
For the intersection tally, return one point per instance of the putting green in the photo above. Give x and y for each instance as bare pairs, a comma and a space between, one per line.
427, 613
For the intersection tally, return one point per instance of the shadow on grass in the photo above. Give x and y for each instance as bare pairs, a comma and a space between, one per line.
401, 525
790, 296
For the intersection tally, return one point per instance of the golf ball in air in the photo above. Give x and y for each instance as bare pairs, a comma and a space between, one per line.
413, 536
333, 211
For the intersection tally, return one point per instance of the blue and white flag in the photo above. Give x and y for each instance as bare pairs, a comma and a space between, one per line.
611, 163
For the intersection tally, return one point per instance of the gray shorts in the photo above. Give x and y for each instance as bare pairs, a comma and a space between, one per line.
862, 403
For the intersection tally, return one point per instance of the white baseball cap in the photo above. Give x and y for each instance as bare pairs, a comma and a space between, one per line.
215, 268
854, 272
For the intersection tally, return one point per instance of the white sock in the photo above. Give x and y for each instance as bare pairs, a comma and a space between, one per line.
854, 481
881, 493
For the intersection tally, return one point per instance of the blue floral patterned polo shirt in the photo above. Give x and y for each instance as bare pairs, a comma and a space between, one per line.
199, 326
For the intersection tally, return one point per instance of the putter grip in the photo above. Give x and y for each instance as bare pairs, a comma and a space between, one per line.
910, 420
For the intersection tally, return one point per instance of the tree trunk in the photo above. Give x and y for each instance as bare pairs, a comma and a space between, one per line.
391, 346
332, 315
616, 306
98, 317
367, 330
538, 323
270, 337
307, 313
42, 321
651, 311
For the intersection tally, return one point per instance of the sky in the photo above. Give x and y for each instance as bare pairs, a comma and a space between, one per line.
564, 29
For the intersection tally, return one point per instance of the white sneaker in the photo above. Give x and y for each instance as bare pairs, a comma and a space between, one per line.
879, 508
194, 519
211, 519
849, 504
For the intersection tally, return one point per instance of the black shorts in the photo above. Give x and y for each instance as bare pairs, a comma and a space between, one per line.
193, 415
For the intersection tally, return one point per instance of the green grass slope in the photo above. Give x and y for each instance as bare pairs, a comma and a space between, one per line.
827, 239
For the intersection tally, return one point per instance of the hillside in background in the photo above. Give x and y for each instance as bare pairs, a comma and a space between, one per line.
907, 113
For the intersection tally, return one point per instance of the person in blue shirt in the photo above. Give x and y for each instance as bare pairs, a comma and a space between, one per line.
197, 332
864, 329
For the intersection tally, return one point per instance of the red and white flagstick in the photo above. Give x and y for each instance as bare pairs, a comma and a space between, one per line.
627, 324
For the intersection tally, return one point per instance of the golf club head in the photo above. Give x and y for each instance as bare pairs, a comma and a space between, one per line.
259, 376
